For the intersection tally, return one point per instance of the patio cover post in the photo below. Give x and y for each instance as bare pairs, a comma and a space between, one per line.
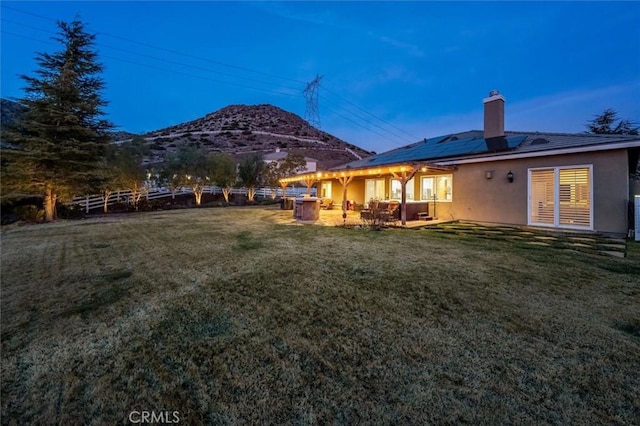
284, 185
345, 181
309, 181
404, 178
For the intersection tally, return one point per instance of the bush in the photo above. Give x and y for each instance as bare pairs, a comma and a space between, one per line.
29, 213
74, 211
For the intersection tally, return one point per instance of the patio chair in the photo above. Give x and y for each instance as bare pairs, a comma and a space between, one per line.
393, 211
326, 204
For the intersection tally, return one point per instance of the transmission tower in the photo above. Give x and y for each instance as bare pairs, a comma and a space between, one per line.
312, 114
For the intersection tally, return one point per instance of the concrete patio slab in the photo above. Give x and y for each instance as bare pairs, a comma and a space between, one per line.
614, 246
584, 239
580, 245
612, 253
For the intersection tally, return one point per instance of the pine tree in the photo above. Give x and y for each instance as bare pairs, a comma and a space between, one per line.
58, 147
604, 124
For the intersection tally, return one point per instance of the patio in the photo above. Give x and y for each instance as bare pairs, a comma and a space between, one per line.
334, 218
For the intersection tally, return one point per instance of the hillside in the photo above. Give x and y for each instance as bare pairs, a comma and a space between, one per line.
10, 112
240, 129
237, 130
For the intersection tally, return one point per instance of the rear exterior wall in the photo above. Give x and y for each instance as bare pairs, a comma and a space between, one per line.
496, 200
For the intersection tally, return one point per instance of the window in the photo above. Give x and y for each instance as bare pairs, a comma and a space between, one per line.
325, 190
441, 186
374, 189
574, 197
542, 196
396, 190
561, 197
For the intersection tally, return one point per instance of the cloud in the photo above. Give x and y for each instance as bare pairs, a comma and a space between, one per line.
330, 19
410, 49
568, 111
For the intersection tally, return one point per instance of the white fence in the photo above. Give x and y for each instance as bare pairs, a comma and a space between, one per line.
96, 201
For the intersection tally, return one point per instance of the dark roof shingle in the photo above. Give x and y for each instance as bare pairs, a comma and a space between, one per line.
473, 144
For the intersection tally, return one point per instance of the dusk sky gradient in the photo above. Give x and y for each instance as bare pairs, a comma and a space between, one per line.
394, 73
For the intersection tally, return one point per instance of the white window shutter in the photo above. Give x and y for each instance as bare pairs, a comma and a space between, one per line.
542, 205
575, 197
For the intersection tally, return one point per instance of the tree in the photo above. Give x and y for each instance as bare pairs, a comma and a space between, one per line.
276, 170
109, 176
604, 124
251, 170
190, 167
57, 148
127, 170
171, 175
224, 173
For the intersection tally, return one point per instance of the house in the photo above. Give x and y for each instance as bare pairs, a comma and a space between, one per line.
311, 164
565, 181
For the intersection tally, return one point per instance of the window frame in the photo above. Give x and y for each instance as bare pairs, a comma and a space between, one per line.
411, 193
436, 178
558, 194
383, 182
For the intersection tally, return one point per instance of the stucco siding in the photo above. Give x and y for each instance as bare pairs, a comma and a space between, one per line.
476, 198
496, 200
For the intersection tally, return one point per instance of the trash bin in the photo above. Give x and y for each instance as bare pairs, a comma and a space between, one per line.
286, 204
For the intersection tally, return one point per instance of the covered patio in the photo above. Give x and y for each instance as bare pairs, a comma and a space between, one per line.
409, 211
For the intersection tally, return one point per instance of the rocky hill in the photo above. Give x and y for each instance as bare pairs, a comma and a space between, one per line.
237, 130
241, 129
10, 112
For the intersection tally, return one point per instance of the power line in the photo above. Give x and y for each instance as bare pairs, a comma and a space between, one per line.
100, 44
176, 52
146, 65
315, 91
367, 112
356, 123
393, 134
165, 69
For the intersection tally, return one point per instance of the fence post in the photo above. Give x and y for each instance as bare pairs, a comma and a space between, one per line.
86, 208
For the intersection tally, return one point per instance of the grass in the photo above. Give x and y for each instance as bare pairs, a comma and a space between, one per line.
229, 317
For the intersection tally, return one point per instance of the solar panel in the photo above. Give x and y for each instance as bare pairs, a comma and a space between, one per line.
440, 147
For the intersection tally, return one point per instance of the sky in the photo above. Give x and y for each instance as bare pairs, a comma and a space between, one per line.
392, 73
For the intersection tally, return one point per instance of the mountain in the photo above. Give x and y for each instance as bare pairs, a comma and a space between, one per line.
241, 129
237, 130
10, 112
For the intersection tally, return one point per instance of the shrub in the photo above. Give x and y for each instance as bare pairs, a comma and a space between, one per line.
376, 217
74, 211
29, 213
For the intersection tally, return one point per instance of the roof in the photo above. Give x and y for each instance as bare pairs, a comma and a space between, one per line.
472, 144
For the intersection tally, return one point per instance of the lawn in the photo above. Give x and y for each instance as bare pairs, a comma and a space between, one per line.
226, 316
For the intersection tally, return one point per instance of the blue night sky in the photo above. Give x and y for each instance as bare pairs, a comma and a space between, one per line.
393, 72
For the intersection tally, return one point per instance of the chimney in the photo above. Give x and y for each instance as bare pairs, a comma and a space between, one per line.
493, 115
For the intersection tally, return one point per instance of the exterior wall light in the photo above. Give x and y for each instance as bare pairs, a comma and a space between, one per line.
488, 174
510, 176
